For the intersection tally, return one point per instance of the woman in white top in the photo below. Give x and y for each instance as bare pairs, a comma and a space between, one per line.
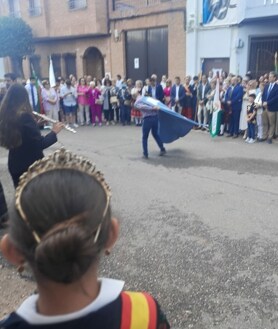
50, 101
260, 110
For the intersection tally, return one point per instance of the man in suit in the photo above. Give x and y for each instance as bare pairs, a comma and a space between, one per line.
177, 95
33, 94
227, 107
155, 89
270, 103
235, 103
203, 89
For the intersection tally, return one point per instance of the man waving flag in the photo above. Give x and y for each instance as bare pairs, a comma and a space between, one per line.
171, 125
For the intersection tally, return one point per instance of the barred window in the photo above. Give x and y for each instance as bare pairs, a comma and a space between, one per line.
14, 8
70, 63
35, 8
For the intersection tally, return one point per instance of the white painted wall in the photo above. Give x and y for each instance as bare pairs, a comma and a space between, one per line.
220, 42
2, 69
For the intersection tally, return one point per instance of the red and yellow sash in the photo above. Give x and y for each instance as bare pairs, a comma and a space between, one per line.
139, 311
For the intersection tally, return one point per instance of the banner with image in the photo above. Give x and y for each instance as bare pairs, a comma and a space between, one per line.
220, 12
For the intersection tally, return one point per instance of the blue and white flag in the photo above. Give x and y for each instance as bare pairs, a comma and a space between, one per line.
172, 125
52, 79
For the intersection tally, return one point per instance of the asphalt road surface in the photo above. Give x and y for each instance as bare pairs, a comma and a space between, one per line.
198, 226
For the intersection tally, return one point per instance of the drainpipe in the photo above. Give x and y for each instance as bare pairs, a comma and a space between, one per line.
196, 28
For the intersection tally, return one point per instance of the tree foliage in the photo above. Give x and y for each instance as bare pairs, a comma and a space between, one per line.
16, 41
16, 38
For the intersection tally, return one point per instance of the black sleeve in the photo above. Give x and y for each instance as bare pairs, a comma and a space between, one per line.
49, 139
162, 322
32, 132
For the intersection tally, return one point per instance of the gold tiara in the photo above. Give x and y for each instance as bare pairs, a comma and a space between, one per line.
60, 159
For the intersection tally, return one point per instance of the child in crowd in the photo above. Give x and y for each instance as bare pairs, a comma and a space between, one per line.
251, 119
61, 225
136, 114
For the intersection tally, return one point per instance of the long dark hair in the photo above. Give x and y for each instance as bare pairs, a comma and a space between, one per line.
65, 208
15, 102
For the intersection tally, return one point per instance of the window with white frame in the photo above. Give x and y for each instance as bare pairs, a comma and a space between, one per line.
14, 8
77, 4
35, 8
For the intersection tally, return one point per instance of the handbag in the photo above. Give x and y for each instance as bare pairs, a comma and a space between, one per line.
100, 100
113, 99
127, 102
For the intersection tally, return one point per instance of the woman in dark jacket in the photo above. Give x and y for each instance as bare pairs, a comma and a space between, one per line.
20, 134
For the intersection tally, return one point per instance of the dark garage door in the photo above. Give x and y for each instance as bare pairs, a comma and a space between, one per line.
147, 53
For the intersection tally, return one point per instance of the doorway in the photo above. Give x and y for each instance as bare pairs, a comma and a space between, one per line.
147, 53
93, 63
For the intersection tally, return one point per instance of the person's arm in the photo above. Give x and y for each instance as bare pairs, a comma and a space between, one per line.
162, 322
238, 96
74, 92
274, 98
173, 95
199, 93
143, 107
160, 93
182, 93
33, 135
63, 93
55, 99
251, 116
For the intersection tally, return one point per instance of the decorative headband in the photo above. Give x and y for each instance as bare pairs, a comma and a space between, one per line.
60, 159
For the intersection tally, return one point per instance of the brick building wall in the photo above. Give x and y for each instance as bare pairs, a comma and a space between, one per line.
60, 31
176, 40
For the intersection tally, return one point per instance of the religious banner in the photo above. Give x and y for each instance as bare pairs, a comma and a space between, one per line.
220, 12
217, 113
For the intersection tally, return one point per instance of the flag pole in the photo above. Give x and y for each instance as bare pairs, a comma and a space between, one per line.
52, 79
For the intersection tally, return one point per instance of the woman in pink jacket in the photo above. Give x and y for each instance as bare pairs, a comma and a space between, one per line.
95, 100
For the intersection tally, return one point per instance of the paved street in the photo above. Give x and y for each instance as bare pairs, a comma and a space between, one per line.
198, 226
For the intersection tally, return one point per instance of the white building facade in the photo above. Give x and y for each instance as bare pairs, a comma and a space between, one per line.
233, 35
2, 68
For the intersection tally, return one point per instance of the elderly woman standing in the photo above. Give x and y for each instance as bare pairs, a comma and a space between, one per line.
50, 101
94, 95
107, 106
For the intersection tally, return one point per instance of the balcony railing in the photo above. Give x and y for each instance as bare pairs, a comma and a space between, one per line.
119, 5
